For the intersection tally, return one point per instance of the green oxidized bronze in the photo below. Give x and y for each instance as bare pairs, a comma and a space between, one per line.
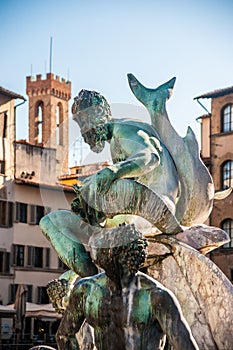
127, 309
158, 176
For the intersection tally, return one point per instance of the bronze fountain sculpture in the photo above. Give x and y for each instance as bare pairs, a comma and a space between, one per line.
158, 176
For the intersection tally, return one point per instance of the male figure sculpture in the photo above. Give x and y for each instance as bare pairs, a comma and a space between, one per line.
140, 155
137, 154
154, 155
126, 308
135, 148
157, 175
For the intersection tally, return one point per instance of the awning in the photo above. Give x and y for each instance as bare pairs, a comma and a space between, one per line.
7, 311
45, 311
41, 311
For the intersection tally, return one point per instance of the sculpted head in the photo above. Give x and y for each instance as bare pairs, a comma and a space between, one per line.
91, 111
123, 245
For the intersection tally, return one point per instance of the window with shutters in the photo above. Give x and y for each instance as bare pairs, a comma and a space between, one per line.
4, 262
227, 118
6, 214
227, 174
36, 213
227, 225
21, 212
18, 255
42, 295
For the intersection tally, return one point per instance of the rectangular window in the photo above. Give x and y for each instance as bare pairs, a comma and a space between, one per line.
6, 214
227, 118
29, 296
227, 123
42, 296
2, 167
18, 255
29, 256
39, 213
38, 257
227, 225
21, 212
3, 210
13, 290
12, 294
36, 213
4, 262
3, 124
7, 262
231, 275
32, 214
47, 257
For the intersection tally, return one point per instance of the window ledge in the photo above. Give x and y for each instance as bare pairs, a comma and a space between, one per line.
223, 133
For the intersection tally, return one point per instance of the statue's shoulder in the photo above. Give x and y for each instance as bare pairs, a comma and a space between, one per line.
89, 282
132, 126
146, 281
128, 121
153, 285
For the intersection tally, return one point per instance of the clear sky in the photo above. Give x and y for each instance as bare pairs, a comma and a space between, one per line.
96, 43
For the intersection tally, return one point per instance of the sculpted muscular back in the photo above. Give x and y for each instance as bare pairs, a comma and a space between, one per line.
127, 309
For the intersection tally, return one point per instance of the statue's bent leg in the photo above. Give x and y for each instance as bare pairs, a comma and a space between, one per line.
66, 230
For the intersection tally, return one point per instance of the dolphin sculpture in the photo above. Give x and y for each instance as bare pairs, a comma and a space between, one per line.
195, 200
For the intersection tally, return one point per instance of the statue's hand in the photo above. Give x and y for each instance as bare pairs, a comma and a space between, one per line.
99, 182
104, 179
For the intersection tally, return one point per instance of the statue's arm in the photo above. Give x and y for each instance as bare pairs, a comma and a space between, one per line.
71, 321
169, 315
143, 155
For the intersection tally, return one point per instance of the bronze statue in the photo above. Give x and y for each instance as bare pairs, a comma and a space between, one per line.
126, 308
158, 176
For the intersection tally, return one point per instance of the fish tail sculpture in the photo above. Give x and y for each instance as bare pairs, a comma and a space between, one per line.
195, 200
127, 196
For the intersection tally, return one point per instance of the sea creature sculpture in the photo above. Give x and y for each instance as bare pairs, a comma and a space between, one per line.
195, 199
156, 175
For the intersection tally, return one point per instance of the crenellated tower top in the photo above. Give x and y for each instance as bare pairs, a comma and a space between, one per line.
58, 87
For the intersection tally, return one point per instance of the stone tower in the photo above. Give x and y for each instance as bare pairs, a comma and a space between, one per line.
48, 116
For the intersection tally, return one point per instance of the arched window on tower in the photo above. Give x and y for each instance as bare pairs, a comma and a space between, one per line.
59, 126
39, 122
227, 225
227, 118
227, 174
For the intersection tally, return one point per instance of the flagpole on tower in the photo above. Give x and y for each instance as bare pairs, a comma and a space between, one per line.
50, 54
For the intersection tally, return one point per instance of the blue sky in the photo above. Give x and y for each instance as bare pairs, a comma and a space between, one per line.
96, 43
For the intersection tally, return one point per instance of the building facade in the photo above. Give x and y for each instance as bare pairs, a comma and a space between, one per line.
217, 153
29, 188
35, 179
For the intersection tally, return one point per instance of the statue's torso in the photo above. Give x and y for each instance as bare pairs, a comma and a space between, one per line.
122, 319
164, 178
